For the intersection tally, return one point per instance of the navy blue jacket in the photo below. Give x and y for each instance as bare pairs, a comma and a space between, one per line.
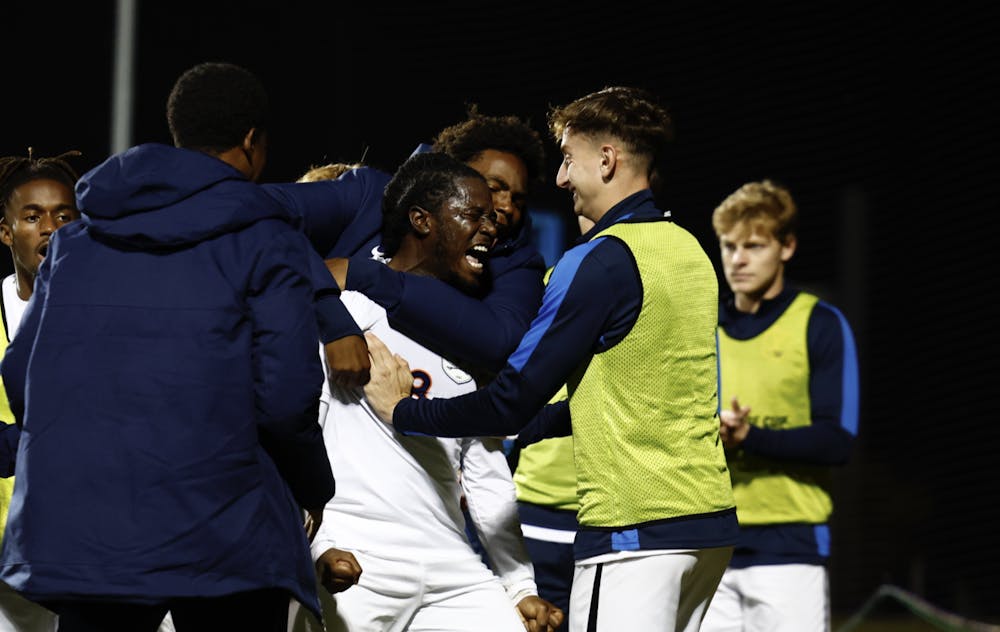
343, 218
167, 378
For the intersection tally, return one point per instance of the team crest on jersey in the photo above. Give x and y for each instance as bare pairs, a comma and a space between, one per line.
457, 375
378, 256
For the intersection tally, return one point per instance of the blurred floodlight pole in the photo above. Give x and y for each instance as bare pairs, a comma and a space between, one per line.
122, 92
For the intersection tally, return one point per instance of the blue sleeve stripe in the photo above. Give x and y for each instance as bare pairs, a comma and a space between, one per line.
822, 534
849, 378
555, 291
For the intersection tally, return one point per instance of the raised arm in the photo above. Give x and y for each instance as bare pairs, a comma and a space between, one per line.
340, 217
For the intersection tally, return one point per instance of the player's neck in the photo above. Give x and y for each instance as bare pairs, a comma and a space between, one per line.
25, 283
749, 303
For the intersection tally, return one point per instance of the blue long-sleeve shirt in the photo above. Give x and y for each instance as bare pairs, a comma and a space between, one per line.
343, 218
833, 396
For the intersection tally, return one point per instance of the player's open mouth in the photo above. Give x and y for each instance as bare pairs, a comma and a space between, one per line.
43, 250
476, 255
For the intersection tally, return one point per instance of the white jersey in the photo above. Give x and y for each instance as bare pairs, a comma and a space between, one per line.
13, 305
399, 496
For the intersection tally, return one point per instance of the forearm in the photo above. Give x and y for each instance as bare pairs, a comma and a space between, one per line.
324, 539
301, 458
560, 339
499, 410
491, 497
288, 373
333, 319
816, 444
551, 421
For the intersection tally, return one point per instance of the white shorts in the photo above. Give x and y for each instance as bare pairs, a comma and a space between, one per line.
416, 595
17, 614
667, 591
771, 598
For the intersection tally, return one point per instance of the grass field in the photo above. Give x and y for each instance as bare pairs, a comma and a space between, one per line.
893, 609
901, 623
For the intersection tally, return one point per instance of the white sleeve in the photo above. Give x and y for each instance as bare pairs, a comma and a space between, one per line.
492, 501
323, 540
325, 396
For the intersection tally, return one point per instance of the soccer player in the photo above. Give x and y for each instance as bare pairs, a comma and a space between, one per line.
36, 199
343, 219
397, 504
789, 385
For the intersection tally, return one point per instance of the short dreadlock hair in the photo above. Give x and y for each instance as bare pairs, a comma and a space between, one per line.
18, 170
427, 180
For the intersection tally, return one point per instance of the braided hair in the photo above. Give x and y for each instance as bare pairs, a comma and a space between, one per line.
18, 170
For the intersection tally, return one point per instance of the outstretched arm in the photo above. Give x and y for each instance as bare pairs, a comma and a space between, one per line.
480, 333
570, 325
338, 216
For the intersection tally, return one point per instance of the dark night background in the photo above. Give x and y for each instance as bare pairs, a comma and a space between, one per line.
879, 119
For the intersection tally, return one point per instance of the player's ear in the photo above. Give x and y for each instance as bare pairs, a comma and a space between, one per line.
609, 161
5, 235
788, 248
420, 220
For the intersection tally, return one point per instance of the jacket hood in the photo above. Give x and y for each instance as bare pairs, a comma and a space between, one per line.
158, 195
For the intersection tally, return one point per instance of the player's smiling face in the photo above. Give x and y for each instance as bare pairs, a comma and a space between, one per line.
580, 173
465, 231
